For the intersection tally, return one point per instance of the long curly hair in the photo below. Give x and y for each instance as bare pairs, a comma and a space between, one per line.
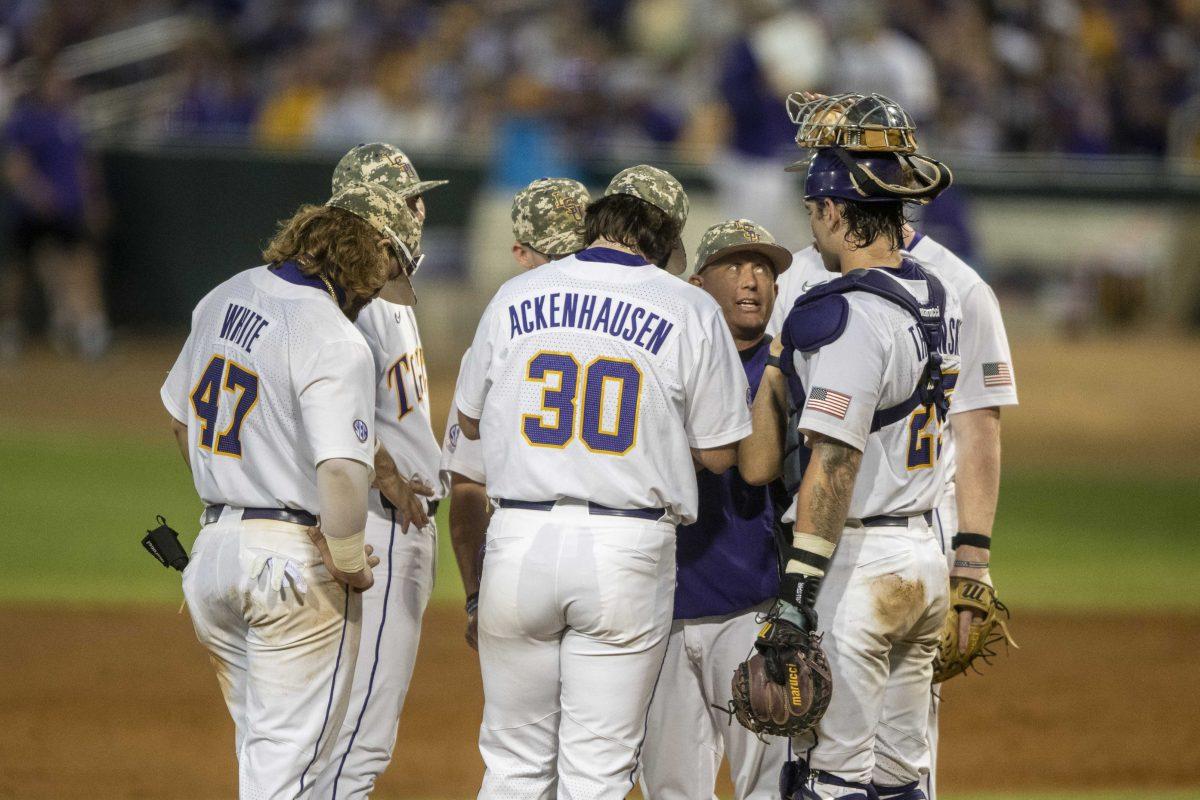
329, 241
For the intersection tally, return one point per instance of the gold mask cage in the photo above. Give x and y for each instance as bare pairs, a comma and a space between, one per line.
855, 122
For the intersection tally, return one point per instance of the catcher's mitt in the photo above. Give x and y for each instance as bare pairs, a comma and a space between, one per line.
784, 688
985, 633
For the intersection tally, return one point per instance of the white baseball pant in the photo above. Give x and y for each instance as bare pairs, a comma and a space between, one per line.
574, 612
391, 629
283, 637
881, 608
686, 736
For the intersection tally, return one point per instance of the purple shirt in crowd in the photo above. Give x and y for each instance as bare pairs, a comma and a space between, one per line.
727, 560
53, 141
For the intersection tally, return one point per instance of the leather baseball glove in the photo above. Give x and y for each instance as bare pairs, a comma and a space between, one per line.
784, 688
984, 634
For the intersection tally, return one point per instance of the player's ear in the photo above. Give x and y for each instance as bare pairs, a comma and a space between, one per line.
696, 280
519, 254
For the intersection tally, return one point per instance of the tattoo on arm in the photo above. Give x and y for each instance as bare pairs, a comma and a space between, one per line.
824, 499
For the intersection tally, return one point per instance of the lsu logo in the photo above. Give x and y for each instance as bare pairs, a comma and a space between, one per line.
747, 229
401, 164
569, 205
360, 430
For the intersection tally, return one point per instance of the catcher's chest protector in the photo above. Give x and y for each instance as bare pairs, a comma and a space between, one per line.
826, 304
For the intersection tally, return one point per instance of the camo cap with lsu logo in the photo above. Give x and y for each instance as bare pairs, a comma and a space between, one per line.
382, 163
387, 213
548, 215
740, 235
660, 189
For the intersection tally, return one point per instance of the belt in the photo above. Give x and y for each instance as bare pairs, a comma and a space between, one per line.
431, 506
292, 515
888, 521
653, 514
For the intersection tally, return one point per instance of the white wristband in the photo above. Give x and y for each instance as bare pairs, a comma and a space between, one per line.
809, 543
348, 554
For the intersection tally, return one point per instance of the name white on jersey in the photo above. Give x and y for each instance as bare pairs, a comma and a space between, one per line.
593, 380
273, 380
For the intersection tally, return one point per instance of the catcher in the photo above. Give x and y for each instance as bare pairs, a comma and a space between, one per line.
868, 361
970, 446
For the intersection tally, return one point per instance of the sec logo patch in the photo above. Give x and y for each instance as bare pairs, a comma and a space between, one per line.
454, 432
360, 430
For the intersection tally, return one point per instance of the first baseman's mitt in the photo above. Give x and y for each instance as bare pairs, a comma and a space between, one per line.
784, 688
985, 632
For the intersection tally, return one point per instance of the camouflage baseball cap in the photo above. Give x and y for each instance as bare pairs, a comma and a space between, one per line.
547, 215
386, 212
660, 189
739, 235
382, 163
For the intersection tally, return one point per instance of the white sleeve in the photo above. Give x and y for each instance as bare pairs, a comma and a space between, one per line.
177, 386
460, 454
473, 378
844, 383
717, 394
986, 376
336, 388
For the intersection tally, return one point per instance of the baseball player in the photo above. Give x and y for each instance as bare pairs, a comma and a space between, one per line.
869, 360
272, 402
547, 219
400, 511
728, 564
596, 382
986, 383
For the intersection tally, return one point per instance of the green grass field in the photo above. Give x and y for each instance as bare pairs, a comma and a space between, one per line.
75, 509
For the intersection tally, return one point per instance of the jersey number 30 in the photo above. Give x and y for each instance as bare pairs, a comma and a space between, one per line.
205, 398
611, 390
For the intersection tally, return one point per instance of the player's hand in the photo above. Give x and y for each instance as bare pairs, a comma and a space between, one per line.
405, 495
969, 562
358, 581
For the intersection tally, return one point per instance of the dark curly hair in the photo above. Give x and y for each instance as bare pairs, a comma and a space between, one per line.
866, 222
625, 219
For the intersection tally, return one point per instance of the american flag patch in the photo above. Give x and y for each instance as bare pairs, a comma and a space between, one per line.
833, 403
996, 373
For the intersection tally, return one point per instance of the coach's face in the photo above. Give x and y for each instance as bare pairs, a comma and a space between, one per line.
744, 286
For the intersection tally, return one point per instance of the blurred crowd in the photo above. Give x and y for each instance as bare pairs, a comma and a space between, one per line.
1071, 76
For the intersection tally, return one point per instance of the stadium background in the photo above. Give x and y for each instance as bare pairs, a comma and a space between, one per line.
1073, 127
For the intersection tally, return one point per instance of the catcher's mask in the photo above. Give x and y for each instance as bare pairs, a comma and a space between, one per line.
873, 178
858, 122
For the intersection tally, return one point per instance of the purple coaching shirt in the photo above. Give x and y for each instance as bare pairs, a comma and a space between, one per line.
727, 560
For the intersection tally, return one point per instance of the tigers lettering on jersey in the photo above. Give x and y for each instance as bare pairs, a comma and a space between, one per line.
590, 312
407, 377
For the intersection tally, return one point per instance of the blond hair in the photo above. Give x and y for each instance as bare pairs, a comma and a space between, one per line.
333, 242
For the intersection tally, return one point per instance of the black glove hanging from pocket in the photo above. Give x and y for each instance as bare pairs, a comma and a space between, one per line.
163, 544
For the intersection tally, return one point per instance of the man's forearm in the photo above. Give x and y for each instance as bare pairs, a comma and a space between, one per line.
977, 475
760, 455
342, 489
976, 479
823, 501
180, 432
469, 518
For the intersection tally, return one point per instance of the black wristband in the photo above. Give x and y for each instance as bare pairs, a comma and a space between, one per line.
472, 603
773, 360
979, 540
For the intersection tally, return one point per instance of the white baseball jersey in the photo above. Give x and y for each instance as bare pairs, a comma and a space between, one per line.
460, 454
273, 380
986, 378
873, 364
402, 390
594, 375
